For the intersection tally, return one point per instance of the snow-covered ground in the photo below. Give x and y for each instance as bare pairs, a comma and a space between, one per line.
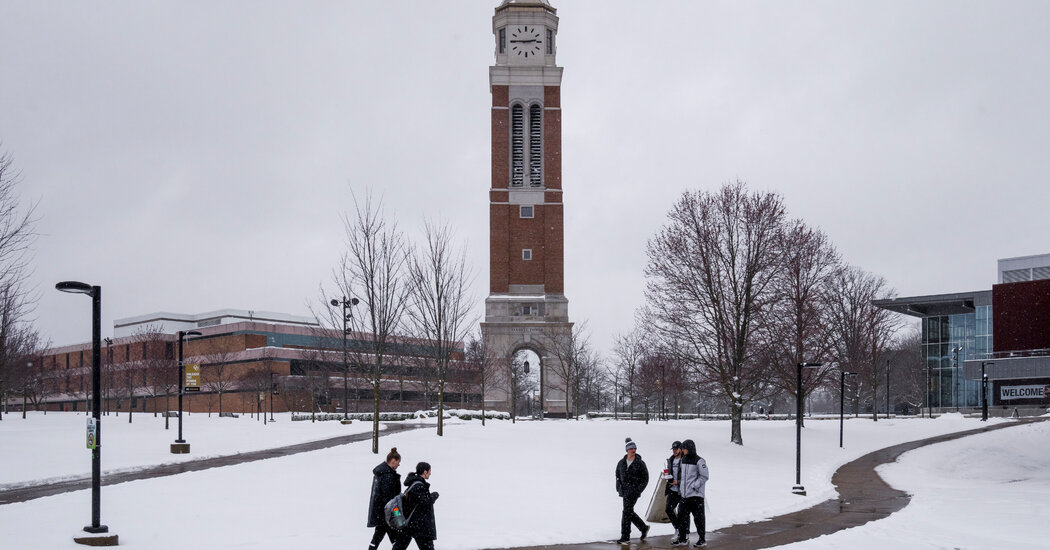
983, 491
514, 484
53, 446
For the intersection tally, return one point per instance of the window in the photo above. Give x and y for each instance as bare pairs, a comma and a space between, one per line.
503, 41
527, 310
535, 146
526, 254
519, 171
550, 42
517, 146
526, 212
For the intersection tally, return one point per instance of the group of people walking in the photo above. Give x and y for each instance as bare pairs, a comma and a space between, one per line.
686, 480
418, 503
685, 476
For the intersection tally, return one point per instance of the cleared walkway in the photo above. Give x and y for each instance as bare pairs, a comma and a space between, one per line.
40, 490
863, 497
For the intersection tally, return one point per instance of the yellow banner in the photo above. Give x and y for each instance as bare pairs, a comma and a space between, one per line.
193, 377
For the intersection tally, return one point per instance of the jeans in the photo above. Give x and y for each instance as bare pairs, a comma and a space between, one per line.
629, 517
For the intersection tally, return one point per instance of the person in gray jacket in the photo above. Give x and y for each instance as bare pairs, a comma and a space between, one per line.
693, 483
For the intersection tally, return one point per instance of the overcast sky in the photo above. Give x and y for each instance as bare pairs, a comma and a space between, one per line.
195, 156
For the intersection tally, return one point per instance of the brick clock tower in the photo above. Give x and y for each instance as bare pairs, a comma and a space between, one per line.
526, 307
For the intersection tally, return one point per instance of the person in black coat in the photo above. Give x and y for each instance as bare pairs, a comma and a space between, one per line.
419, 501
631, 478
386, 484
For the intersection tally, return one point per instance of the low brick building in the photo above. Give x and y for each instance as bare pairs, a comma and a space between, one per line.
244, 357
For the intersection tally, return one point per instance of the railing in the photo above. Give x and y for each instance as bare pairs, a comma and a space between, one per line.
1041, 352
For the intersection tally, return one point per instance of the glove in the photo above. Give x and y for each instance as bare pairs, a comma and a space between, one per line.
434, 496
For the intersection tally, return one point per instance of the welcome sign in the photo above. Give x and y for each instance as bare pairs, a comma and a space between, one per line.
1023, 392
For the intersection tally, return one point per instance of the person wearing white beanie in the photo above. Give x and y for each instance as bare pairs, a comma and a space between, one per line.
631, 478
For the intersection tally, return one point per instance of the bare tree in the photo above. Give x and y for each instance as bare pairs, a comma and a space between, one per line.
572, 354
629, 349
17, 300
862, 331
22, 366
795, 329
373, 270
219, 377
710, 277
908, 370
440, 300
159, 377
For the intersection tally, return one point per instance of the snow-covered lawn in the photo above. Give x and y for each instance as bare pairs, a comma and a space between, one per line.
501, 485
53, 445
984, 491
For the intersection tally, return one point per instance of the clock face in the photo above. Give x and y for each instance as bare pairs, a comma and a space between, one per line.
525, 41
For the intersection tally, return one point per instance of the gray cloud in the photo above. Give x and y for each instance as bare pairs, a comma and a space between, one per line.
193, 156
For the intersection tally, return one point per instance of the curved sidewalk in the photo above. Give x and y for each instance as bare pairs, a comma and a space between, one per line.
863, 497
44, 489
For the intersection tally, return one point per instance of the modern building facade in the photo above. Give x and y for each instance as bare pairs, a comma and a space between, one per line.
526, 308
244, 356
1005, 329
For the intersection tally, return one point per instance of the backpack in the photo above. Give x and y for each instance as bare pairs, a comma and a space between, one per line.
394, 511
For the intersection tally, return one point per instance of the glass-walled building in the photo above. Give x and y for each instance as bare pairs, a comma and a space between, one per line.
947, 342
955, 328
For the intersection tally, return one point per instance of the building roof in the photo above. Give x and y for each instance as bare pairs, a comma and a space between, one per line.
937, 304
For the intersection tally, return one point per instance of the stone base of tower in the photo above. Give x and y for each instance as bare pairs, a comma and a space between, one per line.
527, 321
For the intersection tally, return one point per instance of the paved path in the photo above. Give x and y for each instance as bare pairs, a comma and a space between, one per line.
863, 497
31, 492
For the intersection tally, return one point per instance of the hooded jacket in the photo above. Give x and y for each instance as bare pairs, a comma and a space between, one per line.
386, 484
631, 480
694, 474
419, 502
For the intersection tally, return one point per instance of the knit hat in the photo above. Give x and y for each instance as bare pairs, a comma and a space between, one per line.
630, 444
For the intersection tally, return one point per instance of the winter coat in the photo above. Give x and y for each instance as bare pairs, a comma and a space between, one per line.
694, 474
386, 484
675, 474
631, 481
419, 502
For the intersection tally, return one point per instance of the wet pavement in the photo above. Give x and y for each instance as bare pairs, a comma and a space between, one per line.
863, 497
44, 489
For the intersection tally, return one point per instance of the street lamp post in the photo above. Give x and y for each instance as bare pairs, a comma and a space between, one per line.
180, 446
887, 389
798, 489
955, 378
984, 391
273, 390
842, 404
347, 316
95, 292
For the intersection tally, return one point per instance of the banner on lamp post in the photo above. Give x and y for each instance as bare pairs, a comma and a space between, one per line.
193, 377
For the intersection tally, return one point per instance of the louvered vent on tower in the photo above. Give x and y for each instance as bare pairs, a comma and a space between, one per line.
1016, 275
535, 146
1040, 273
517, 146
